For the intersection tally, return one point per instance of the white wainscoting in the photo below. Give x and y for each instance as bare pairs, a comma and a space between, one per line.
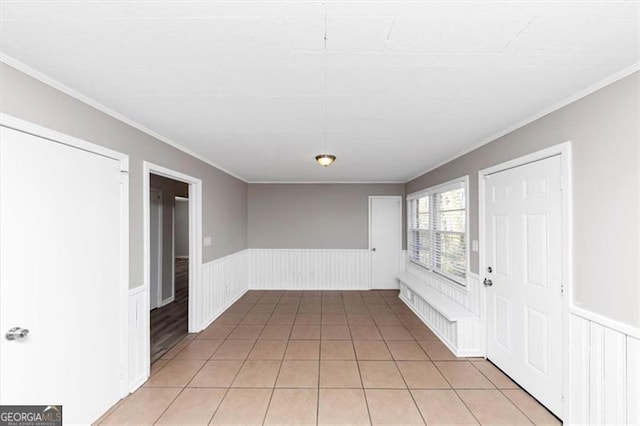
605, 374
309, 269
138, 365
464, 337
469, 297
224, 281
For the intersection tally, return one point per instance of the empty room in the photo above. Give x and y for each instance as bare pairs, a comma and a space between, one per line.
319, 212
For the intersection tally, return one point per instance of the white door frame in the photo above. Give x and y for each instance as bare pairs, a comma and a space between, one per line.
400, 259
195, 246
564, 151
160, 247
57, 137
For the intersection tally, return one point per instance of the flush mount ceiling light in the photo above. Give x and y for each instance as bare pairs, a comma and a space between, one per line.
325, 159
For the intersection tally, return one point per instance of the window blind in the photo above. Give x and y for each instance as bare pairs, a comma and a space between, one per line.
438, 230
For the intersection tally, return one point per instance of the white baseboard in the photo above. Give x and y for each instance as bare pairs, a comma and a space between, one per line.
166, 301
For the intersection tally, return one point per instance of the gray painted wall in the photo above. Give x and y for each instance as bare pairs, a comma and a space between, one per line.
313, 216
605, 131
224, 206
169, 189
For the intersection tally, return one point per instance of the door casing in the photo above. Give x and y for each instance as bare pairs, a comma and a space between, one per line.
158, 292
564, 151
195, 247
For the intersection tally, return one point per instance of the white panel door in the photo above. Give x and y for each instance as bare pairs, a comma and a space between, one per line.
155, 252
523, 250
385, 227
60, 223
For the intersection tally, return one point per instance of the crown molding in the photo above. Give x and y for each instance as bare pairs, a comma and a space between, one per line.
558, 105
326, 182
12, 62
20, 66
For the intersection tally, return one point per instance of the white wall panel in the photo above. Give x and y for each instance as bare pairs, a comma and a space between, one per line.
468, 297
633, 381
605, 375
224, 281
464, 337
614, 379
309, 269
579, 386
138, 355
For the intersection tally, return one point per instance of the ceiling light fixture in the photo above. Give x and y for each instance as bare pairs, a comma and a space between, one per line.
325, 159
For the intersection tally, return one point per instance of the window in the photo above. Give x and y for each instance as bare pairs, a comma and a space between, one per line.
437, 225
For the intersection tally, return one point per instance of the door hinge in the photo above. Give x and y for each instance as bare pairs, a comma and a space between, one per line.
561, 288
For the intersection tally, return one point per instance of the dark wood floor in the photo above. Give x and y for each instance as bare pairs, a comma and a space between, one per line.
169, 324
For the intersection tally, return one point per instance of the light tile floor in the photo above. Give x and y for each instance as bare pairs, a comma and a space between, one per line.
323, 357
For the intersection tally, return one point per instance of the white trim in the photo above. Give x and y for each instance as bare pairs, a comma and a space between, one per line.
57, 137
605, 321
166, 301
195, 245
400, 258
256, 249
416, 268
452, 184
564, 151
20, 66
136, 290
173, 252
15, 123
158, 294
437, 188
12, 62
558, 105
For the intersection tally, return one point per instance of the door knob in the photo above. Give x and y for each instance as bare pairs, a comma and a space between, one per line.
373, 249
16, 333
487, 282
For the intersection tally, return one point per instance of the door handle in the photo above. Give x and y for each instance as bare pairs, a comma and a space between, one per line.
16, 333
373, 249
487, 282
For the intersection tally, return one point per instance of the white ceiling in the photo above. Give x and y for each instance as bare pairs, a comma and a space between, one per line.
397, 88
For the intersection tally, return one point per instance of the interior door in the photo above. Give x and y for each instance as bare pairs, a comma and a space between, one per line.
60, 276
385, 216
155, 226
524, 277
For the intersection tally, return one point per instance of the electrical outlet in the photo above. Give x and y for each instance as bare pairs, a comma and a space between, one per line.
474, 245
207, 241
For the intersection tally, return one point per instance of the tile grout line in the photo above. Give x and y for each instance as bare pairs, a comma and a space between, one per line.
455, 391
194, 375
275, 381
319, 366
501, 390
376, 314
404, 380
226, 393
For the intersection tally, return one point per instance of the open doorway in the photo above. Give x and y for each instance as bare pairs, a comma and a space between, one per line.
169, 263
